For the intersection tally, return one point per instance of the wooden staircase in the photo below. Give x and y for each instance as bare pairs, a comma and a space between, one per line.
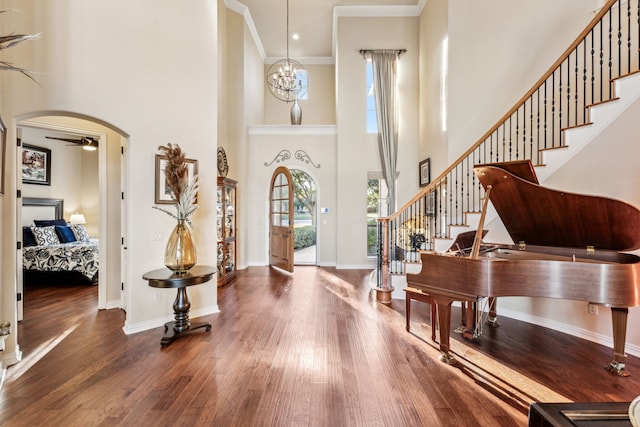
601, 116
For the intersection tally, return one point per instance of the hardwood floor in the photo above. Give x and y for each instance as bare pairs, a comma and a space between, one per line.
312, 348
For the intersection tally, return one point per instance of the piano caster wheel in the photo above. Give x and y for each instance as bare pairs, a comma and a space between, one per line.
447, 358
617, 368
492, 322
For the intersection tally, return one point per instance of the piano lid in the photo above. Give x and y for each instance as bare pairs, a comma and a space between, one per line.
542, 216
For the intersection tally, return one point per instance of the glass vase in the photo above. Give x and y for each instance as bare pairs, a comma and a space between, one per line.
180, 253
296, 113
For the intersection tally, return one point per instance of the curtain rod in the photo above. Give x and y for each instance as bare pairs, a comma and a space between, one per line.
365, 51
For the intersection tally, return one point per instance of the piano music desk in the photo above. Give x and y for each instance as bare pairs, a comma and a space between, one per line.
418, 295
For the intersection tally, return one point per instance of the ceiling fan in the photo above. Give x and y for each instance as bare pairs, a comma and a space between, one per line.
87, 142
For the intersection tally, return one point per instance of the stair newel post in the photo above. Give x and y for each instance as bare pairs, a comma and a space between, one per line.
384, 289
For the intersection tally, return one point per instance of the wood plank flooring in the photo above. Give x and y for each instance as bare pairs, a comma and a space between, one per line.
308, 349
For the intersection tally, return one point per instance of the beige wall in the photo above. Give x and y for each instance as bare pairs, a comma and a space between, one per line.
433, 64
497, 50
265, 142
358, 151
67, 178
241, 105
82, 194
607, 167
143, 81
320, 106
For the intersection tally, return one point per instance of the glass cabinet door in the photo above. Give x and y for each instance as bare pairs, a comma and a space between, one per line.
230, 225
226, 230
219, 214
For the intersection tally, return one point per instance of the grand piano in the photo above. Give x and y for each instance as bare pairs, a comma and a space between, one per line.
567, 246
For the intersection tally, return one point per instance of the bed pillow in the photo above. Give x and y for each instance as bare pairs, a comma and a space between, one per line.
46, 236
28, 239
80, 232
49, 222
65, 234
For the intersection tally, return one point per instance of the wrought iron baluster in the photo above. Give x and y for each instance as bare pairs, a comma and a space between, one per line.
517, 131
628, 36
545, 113
610, 63
531, 128
593, 67
575, 95
553, 109
601, 62
619, 39
584, 82
559, 107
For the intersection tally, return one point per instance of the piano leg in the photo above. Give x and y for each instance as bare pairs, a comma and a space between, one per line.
469, 331
492, 321
443, 307
619, 321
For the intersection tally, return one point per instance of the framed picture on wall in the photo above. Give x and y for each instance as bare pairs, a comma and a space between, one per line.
424, 171
36, 165
163, 191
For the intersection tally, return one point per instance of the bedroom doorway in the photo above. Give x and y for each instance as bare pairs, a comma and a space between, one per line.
94, 191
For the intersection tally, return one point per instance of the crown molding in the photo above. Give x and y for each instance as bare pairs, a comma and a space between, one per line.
305, 60
243, 10
338, 11
293, 130
372, 12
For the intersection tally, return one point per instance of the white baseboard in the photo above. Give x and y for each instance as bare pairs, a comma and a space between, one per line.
565, 328
160, 321
113, 304
595, 337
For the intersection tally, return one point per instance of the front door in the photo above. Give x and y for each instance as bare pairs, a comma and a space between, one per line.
281, 220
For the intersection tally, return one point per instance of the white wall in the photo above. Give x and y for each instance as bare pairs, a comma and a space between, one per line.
358, 151
320, 106
433, 141
497, 50
86, 190
607, 167
242, 105
265, 143
66, 172
154, 79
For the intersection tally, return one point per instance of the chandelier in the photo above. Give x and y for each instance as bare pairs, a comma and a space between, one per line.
283, 77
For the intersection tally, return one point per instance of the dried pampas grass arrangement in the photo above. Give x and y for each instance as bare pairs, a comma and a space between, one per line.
10, 41
177, 176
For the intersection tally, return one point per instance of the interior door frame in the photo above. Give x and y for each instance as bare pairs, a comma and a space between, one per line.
288, 263
102, 197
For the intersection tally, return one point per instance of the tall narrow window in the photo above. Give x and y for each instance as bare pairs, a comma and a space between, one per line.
372, 121
302, 75
377, 207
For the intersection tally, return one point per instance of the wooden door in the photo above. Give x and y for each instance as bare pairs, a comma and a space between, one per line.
281, 220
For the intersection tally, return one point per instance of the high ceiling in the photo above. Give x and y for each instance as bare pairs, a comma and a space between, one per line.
312, 20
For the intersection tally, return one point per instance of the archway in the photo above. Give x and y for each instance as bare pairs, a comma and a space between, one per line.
305, 197
105, 208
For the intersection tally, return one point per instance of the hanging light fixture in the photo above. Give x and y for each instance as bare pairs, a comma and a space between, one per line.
283, 77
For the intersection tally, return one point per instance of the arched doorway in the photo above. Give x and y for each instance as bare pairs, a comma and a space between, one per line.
101, 201
305, 197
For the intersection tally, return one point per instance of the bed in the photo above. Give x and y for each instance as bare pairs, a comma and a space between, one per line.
49, 244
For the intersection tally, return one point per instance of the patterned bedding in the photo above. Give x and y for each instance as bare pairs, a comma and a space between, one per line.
75, 256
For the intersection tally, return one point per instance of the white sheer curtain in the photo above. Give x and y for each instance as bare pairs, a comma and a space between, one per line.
384, 85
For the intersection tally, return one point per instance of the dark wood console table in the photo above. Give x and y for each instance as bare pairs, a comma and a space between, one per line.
165, 278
